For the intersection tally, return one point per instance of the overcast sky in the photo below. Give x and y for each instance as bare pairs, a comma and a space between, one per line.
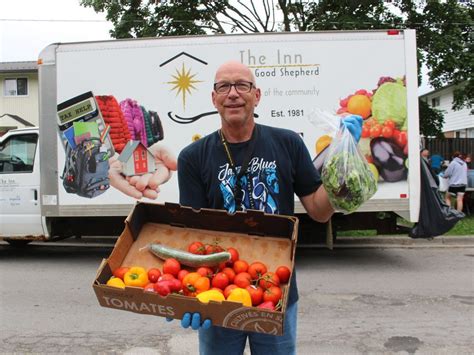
50, 21
28, 26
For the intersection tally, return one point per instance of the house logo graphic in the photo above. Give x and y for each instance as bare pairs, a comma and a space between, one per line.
184, 80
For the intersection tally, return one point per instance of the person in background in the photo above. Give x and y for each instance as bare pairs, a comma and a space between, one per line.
468, 161
244, 166
425, 153
456, 173
437, 163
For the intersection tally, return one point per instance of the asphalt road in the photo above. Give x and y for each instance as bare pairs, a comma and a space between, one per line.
352, 301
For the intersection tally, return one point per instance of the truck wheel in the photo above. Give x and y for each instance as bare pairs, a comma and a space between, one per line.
18, 243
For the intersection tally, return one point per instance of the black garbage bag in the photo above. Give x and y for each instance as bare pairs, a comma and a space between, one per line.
436, 217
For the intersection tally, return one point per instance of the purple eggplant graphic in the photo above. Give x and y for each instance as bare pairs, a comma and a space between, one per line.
389, 159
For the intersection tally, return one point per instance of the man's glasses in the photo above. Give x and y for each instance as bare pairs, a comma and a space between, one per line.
242, 87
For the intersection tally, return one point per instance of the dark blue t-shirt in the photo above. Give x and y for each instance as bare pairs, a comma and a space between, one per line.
279, 167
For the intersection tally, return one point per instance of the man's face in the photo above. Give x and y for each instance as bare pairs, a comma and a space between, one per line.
234, 107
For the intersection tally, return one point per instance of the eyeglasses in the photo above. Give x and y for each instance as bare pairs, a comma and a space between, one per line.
242, 87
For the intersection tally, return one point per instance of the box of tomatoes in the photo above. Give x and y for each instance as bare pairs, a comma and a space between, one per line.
232, 269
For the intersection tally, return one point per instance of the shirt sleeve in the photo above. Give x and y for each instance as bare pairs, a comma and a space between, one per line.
307, 179
449, 171
191, 188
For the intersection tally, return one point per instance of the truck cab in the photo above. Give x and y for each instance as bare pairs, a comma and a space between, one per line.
20, 214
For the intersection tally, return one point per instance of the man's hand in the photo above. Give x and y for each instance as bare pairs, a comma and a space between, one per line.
354, 124
193, 320
146, 185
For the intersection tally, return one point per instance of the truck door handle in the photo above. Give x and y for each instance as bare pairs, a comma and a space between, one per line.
35, 194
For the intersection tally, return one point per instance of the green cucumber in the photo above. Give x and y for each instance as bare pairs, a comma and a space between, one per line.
189, 259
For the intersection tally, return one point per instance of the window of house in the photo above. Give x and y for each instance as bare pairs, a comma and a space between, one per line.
435, 102
15, 87
17, 154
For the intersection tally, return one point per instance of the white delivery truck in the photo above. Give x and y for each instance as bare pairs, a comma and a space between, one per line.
105, 106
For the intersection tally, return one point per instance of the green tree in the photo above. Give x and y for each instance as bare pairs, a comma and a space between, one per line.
445, 42
431, 120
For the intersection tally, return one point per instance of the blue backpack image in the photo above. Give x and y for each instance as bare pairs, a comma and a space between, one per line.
86, 170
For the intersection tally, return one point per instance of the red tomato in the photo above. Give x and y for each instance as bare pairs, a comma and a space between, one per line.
175, 285
387, 132
229, 289
162, 288
256, 293
402, 139
197, 248
243, 279
154, 274
240, 266
370, 122
166, 277
230, 273
268, 280
234, 256
283, 273
205, 271
365, 131
120, 272
150, 287
220, 280
272, 294
171, 266
213, 248
376, 130
256, 270
182, 273
389, 123
220, 266
396, 134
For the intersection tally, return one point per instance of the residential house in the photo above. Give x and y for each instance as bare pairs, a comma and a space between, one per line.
457, 124
19, 95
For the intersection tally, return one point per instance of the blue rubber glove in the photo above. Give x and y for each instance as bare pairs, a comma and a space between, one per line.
354, 124
193, 320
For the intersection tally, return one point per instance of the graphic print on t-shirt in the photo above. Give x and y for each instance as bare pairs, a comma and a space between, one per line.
260, 183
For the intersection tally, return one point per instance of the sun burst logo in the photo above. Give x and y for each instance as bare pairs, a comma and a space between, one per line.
183, 83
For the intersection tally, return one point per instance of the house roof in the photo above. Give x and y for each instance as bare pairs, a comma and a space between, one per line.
19, 119
129, 149
19, 67
436, 90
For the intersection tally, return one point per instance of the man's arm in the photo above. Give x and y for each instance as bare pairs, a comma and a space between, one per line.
317, 205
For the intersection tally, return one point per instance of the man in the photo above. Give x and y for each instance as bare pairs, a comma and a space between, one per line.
425, 153
249, 166
437, 163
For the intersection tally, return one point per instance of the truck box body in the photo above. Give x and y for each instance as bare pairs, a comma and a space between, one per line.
299, 74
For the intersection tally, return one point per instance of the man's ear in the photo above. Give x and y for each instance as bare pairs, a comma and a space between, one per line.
258, 94
214, 98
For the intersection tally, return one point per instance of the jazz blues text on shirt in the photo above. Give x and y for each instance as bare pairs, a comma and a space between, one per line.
255, 164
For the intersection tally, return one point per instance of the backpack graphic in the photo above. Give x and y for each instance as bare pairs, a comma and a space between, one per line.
86, 170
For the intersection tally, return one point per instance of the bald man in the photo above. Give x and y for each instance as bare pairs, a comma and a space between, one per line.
245, 165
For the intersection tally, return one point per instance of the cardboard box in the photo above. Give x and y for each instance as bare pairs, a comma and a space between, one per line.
257, 236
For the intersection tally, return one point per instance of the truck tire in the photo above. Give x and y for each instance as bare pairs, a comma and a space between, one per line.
18, 243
